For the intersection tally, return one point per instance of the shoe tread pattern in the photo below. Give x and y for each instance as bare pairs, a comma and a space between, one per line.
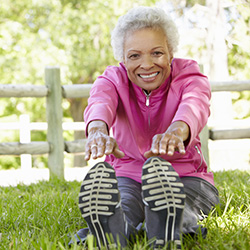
162, 187
98, 198
163, 191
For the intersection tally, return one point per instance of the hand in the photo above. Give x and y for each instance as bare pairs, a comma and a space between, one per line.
100, 143
170, 141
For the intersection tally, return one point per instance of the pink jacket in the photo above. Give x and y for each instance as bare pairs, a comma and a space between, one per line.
135, 118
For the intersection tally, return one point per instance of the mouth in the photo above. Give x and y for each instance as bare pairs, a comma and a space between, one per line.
144, 76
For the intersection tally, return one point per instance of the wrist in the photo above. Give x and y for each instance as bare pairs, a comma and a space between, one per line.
180, 129
97, 125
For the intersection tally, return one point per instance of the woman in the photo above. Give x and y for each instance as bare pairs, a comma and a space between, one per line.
156, 106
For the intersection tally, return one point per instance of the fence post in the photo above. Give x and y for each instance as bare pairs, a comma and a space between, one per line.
54, 120
26, 159
204, 137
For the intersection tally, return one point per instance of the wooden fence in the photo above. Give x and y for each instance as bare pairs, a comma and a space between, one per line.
55, 145
25, 127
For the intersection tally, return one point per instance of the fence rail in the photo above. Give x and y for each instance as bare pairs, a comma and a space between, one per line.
11, 90
32, 148
68, 91
40, 147
227, 134
82, 90
230, 86
55, 146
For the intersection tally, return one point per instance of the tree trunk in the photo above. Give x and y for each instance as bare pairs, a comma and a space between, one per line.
221, 103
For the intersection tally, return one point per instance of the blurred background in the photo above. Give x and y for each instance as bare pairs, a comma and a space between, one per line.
75, 35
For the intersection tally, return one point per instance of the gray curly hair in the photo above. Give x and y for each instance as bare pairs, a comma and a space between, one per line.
139, 18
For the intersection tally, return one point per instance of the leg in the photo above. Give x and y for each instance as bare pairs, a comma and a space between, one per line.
99, 203
131, 200
201, 197
164, 198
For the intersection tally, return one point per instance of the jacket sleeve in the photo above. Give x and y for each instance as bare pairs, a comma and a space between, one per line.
103, 101
194, 100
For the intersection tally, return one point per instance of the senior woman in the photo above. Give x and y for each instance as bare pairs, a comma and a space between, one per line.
156, 106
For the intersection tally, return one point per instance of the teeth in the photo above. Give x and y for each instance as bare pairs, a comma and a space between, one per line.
148, 76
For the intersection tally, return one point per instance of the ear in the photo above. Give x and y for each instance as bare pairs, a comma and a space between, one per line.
171, 58
124, 61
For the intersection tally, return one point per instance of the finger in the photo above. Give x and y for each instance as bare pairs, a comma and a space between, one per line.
94, 150
87, 156
101, 144
112, 148
181, 148
87, 152
155, 144
163, 145
171, 147
109, 147
149, 154
171, 150
100, 149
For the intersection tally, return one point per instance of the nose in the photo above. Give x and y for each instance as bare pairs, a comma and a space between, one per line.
147, 62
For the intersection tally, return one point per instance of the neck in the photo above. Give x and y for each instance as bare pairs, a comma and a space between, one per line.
147, 92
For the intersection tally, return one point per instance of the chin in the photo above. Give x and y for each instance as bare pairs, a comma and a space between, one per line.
151, 89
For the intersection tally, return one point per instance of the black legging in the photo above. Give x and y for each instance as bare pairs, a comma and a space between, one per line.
201, 197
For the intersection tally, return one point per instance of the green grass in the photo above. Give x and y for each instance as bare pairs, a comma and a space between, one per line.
45, 216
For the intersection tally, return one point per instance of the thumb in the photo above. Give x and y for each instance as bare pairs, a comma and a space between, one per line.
149, 154
118, 153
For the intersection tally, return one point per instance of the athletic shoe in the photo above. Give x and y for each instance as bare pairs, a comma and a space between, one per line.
99, 203
164, 197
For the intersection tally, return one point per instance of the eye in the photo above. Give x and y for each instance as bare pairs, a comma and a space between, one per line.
134, 56
157, 53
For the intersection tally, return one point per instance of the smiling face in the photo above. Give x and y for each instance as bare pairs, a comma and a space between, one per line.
147, 58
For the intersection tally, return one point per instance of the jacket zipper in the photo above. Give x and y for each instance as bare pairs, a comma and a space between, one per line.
199, 152
147, 104
147, 98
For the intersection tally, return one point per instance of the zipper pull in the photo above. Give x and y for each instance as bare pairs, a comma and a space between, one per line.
199, 152
147, 97
147, 100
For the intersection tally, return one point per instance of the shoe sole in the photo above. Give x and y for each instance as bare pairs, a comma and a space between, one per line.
163, 191
98, 198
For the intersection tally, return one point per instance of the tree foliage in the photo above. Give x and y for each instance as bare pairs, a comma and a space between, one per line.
239, 40
72, 34
75, 34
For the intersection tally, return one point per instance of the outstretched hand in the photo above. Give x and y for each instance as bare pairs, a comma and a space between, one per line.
170, 141
100, 143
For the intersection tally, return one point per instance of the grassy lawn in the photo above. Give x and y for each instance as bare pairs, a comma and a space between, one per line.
45, 216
